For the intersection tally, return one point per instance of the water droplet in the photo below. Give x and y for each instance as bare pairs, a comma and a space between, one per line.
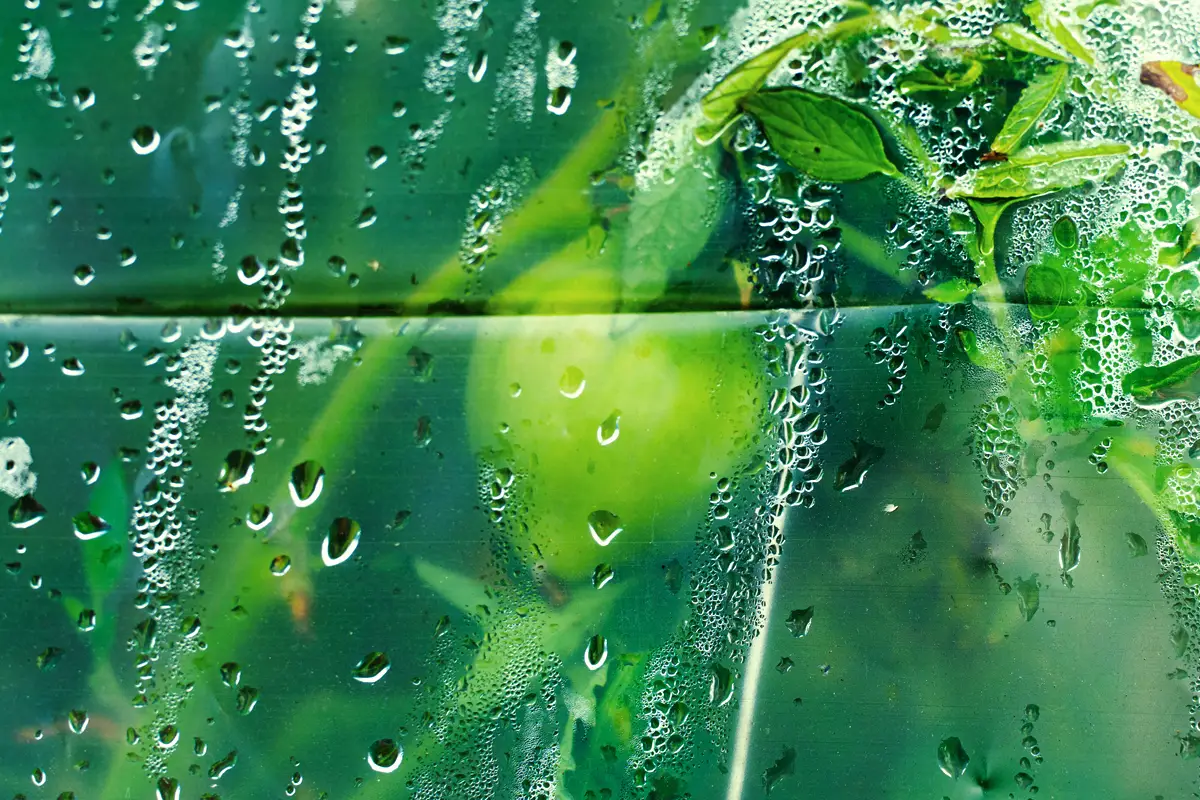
231, 673
84, 99
280, 565
247, 698
26, 512
602, 575
799, 622
219, 768
341, 541
514, 389
237, 471
131, 410
89, 526
84, 274
478, 67
77, 720
259, 517
72, 367
307, 480
720, 687
38, 776
395, 45
604, 527
145, 140
168, 737
89, 471
18, 352
596, 652
48, 658
86, 620
952, 758
559, 100
572, 383
1066, 233
376, 156
609, 429
167, 789
385, 755
371, 668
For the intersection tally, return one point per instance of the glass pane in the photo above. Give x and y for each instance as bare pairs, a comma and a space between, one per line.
543, 399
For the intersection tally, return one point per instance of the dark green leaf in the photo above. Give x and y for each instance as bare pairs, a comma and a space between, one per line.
819, 135
722, 105
955, 290
1021, 38
923, 79
669, 225
1042, 169
1032, 105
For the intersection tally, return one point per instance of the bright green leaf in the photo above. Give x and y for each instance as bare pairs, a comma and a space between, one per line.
955, 290
468, 595
1042, 169
1021, 38
822, 136
722, 105
1068, 35
669, 225
1030, 107
1163, 383
923, 79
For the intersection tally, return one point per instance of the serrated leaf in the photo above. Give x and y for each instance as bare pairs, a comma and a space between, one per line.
1068, 35
1030, 107
923, 79
955, 290
822, 136
722, 105
670, 222
1042, 169
1018, 37
1177, 80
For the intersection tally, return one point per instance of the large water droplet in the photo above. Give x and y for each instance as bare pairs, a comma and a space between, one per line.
604, 527
572, 382
307, 480
371, 668
596, 652
952, 758
385, 755
77, 720
145, 140
26, 512
89, 526
341, 541
280, 565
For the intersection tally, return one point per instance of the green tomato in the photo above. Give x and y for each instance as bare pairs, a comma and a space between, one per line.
616, 424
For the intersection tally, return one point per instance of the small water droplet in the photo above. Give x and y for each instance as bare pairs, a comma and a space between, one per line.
259, 517
48, 658
799, 622
604, 526
559, 100
395, 45
72, 367
572, 383
478, 67
596, 652
219, 768
86, 620
231, 673
305, 485
167, 789
247, 698
371, 668
602, 575
280, 565
18, 352
84, 274
89, 471
376, 156
131, 410
385, 755
341, 541
609, 429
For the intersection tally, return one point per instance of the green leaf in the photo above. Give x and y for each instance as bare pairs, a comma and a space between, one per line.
1068, 35
1048, 291
1042, 169
819, 135
103, 558
923, 79
468, 595
1177, 80
955, 290
722, 105
670, 222
1030, 107
1018, 37
1163, 383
